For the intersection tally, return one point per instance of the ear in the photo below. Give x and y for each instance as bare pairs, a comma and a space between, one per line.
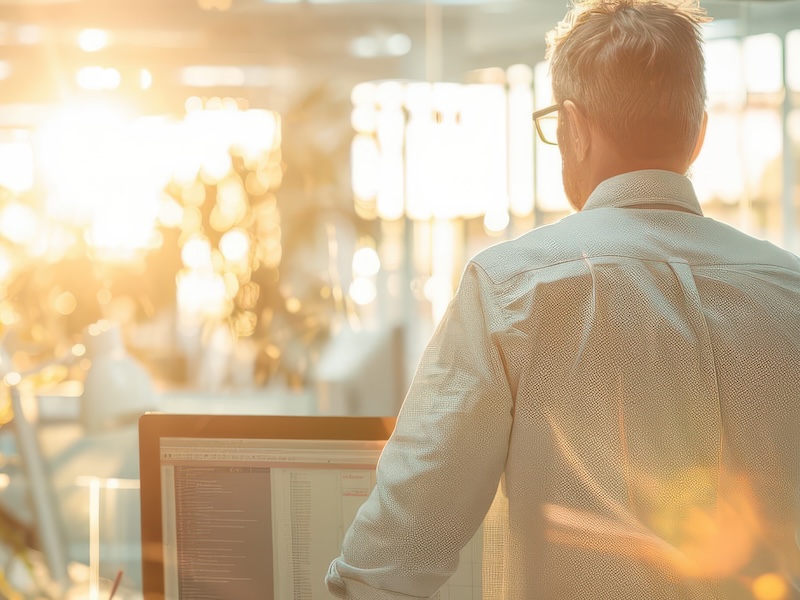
580, 129
700, 138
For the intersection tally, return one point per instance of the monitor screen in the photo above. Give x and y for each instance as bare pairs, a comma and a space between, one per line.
255, 519
251, 517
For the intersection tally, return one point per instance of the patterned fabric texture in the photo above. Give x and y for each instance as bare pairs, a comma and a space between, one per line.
617, 398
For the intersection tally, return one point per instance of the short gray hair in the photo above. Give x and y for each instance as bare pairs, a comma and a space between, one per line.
636, 70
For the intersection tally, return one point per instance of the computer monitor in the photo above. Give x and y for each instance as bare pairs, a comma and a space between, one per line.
253, 507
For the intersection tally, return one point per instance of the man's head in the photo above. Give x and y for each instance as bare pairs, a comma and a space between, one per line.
631, 74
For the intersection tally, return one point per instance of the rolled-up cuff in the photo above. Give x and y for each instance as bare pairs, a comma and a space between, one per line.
344, 581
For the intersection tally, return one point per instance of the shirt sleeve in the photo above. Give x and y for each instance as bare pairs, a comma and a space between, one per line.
440, 469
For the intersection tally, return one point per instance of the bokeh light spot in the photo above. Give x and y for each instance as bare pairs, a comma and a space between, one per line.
770, 586
65, 303
366, 262
293, 305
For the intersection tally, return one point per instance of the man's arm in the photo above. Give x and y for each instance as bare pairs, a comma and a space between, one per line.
439, 471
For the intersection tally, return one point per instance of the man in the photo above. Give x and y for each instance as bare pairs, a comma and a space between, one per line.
623, 385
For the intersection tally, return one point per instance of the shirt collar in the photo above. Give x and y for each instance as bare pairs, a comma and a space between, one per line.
650, 187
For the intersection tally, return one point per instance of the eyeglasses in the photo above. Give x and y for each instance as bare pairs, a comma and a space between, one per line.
546, 121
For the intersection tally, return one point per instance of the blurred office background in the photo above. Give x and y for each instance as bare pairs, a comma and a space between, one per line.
266, 205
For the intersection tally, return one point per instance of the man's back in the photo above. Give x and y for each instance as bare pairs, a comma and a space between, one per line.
629, 377
653, 357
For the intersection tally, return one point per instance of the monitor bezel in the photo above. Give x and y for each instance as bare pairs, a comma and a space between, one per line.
155, 426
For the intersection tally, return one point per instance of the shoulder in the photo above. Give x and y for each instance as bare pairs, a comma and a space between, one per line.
541, 248
741, 248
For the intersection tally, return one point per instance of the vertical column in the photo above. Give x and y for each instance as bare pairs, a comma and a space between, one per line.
787, 195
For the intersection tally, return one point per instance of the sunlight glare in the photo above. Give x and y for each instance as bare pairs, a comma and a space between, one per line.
119, 234
16, 161
104, 172
201, 294
257, 133
19, 223
170, 213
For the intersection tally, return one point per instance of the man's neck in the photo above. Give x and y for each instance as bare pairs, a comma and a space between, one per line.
604, 161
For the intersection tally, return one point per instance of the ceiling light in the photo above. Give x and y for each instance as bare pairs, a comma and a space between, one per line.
212, 75
365, 47
98, 78
145, 79
236, 76
398, 44
92, 40
29, 35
